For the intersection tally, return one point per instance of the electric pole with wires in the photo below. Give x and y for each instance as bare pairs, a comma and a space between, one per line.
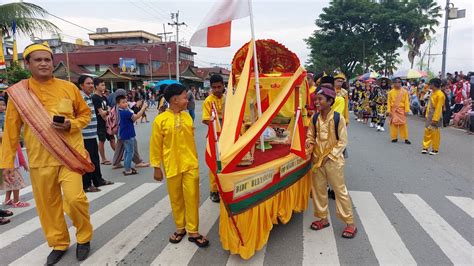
177, 24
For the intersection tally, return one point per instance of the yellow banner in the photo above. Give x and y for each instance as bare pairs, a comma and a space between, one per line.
15, 51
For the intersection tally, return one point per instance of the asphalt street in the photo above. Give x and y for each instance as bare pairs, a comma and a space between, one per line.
410, 209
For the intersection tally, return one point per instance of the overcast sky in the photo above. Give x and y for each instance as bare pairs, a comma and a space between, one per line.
286, 21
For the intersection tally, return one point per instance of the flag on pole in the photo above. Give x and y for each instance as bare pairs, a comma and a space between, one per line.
215, 30
298, 137
15, 50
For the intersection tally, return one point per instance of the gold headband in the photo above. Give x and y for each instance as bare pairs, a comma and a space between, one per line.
37, 47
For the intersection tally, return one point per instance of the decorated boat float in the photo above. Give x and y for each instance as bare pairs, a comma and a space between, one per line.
259, 157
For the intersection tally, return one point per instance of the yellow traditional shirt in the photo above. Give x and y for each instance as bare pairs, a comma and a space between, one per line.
436, 102
312, 90
392, 97
207, 107
339, 105
324, 140
172, 142
59, 97
344, 94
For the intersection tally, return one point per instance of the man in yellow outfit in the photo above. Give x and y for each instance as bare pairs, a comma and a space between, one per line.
327, 139
434, 118
214, 100
398, 106
172, 147
56, 188
339, 80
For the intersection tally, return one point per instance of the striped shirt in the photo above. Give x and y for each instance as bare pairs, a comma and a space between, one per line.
90, 132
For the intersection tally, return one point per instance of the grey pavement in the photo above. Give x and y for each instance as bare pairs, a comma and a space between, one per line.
400, 205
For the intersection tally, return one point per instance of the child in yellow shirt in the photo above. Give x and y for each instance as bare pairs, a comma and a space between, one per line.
216, 99
327, 139
172, 147
434, 119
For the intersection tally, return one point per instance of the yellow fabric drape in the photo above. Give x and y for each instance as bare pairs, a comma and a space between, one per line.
255, 224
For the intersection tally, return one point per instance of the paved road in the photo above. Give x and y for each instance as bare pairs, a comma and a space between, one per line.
410, 208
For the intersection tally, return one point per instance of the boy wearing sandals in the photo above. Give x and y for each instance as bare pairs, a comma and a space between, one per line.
127, 131
327, 148
173, 152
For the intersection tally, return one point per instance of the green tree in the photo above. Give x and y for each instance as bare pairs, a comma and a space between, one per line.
15, 73
419, 21
357, 35
28, 18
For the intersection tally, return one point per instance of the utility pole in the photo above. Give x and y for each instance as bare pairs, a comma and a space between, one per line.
445, 40
177, 24
164, 34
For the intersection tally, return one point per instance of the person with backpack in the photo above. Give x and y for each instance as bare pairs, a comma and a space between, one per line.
113, 128
327, 139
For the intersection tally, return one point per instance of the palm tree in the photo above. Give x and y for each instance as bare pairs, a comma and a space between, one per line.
426, 14
27, 16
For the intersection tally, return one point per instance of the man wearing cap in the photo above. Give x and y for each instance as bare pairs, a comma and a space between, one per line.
53, 113
339, 79
327, 139
434, 119
398, 106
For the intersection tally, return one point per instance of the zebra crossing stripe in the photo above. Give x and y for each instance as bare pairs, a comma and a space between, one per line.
183, 253
256, 260
118, 247
28, 227
465, 204
454, 246
100, 217
23, 191
384, 239
323, 239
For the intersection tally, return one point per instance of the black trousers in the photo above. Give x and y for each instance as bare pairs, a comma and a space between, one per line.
95, 177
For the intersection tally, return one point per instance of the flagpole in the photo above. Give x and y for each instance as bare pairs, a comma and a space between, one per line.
255, 66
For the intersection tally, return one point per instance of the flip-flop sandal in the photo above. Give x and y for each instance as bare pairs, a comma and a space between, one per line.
5, 213
351, 230
177, 237
197, 240
106, 162
117, 166
20, 204
107, 182
318, 225
142, 165
133, 172
4, 221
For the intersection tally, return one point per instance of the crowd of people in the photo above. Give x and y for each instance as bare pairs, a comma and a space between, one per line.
66, 129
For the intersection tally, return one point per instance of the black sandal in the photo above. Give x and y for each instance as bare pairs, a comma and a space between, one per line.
196, 240
177, 237
5, 213
4, 221
132, 172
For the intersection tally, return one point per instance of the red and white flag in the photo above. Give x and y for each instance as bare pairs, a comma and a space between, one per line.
215, 30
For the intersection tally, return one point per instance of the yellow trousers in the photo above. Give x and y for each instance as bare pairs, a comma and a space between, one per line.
432, 138
403, 131
332, 172
47, 183
183, 190
212, 182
